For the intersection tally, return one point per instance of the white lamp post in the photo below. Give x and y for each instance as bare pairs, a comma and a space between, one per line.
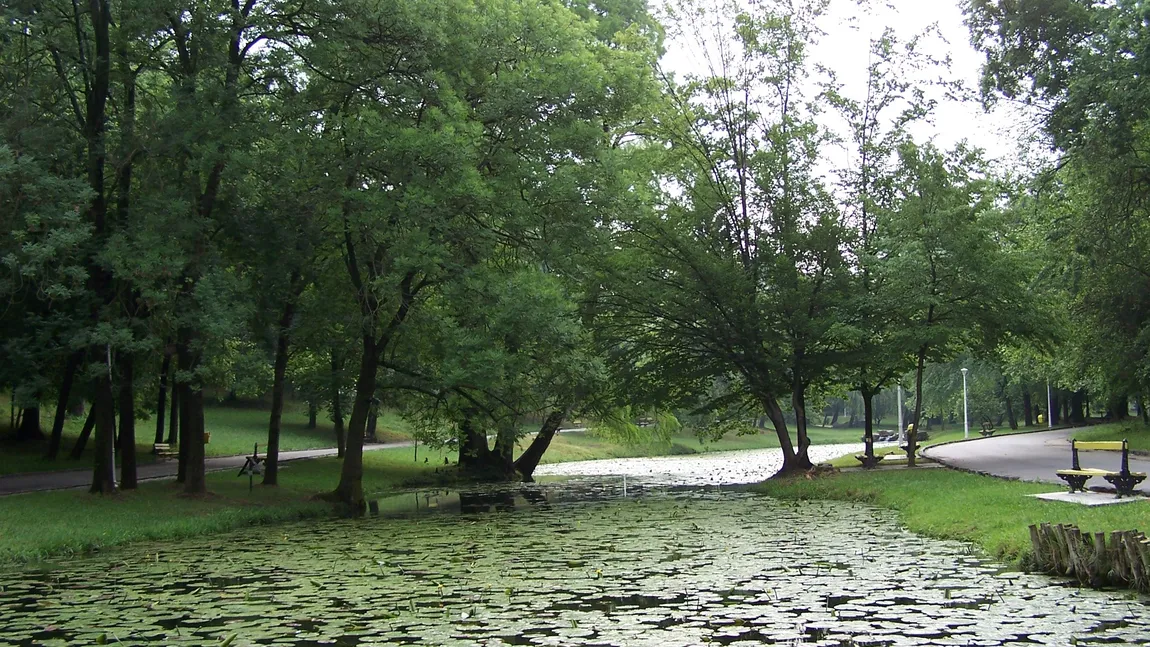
901, 428
965, 415
1049, 410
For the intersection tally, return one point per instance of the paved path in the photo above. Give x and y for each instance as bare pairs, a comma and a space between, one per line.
1027, 457
164, 469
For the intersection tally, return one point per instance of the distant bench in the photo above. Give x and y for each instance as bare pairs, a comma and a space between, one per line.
987, 429
163, 450
1124, 481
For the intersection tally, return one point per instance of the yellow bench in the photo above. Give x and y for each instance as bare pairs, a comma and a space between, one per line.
1124, 481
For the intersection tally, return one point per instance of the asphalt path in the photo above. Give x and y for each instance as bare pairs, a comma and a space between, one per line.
163, 469
1028, 457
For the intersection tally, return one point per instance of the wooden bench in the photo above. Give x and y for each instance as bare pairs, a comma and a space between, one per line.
987, 429
1123, 480
164, 450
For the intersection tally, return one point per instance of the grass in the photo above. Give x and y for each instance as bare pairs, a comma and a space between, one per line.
992, 513
1134, 431
234, 430
42, 525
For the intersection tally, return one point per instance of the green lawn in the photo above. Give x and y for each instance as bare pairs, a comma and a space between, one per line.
234, 430
992, 513
1134, 431
44, 524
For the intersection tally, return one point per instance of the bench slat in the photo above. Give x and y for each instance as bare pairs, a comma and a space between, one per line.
1099, 444
1087, 472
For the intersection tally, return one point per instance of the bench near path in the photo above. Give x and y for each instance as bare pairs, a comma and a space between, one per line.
1028, 457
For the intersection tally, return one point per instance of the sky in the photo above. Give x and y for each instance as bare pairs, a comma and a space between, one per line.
844, 49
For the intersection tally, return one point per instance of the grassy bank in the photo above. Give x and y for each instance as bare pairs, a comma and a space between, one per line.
947, 504
44, 524
1134, 430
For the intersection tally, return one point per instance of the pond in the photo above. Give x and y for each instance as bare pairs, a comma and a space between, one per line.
577, 562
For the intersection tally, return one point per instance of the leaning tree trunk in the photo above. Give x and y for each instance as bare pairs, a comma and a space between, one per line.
85, 433
775, 413
912, 439
1010, 412
271, 463
162, 399
70, 368
350, 488
503, 456
29, 428
104, 464
1027, 408
530, 458
127, 437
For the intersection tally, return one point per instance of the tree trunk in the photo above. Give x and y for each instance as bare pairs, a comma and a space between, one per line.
174, 415
191, 420
868, 425
29, 428
1010, 413
104, 464
312, 414
835, 415
162, 400
85, 433
503, 456
1027, 408
530, 458
912, 439
1142, 410
70, 368
350, 488
1077, 400
192, 435
372, 422
127, 439
271, 463
1120, 407
1054, 415
475, 457
775, 413
799, 402
337, 406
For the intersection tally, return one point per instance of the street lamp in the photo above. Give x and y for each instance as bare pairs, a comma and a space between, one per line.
1049, 404
965, 415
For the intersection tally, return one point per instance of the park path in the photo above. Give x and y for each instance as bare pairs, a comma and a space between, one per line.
164, 469
1027, 457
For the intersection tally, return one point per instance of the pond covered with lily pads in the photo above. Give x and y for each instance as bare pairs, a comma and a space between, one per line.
591, 560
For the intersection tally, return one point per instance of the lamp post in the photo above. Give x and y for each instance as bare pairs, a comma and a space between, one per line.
1049, 410
965, 415
901, 428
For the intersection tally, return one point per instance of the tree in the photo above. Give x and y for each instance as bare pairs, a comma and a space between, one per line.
949, 261
737, 273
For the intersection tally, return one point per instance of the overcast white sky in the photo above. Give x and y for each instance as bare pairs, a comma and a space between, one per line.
844, 49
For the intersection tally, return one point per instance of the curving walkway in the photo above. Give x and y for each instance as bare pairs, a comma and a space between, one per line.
1027, 457
82, 478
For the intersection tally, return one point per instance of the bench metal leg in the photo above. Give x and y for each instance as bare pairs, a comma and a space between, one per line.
1124, 483
1077, 482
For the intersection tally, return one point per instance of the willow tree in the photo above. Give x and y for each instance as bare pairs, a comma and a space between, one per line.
443, 119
